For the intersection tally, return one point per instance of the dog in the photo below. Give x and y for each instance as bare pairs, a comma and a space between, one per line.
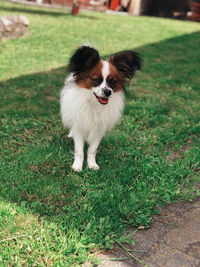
92, 99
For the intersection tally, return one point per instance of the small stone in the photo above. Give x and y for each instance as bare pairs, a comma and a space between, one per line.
13, 26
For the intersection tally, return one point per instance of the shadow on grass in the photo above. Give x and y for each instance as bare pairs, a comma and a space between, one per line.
37, 157
65, 12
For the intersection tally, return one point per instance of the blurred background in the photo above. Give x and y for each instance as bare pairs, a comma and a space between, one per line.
180, 9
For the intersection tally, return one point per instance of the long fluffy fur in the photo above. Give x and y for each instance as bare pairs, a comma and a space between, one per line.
92, 99
80, 111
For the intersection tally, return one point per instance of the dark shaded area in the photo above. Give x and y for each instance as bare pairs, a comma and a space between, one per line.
54, 80
164, 8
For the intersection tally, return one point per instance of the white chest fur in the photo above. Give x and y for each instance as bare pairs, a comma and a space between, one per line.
81, 111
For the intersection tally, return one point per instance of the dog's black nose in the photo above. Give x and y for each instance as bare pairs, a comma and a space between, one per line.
107, 92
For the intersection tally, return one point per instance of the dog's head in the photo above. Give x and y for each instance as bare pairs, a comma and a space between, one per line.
104, 78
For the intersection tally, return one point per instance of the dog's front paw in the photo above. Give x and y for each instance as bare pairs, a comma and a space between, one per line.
77, 167
92, 165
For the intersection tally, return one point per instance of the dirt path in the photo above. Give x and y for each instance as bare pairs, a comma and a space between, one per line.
172, 241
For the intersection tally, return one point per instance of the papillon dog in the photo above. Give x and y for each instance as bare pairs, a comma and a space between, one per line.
92, 99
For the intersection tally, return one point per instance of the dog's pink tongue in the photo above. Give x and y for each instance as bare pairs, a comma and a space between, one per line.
103, 100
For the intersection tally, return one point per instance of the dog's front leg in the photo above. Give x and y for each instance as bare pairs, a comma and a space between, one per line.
79, 153
91, 154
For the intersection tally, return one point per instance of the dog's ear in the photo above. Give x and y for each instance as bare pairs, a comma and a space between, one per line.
126, 62
84, 58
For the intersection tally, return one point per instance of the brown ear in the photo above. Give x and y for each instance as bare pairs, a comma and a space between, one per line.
83, 59
126, 62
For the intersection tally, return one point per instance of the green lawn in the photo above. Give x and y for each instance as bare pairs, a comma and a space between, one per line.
51, 216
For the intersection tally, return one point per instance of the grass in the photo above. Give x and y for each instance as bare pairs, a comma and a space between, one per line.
51, 216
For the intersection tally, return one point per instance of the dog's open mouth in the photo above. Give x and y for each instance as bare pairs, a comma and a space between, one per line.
102, 100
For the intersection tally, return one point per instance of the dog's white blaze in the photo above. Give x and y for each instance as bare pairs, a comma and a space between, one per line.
98, 90
105, 70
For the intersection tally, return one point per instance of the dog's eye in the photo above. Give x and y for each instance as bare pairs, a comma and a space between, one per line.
97, 81
112, 82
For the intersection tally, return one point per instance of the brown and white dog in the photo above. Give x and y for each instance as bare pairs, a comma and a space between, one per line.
92, 99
